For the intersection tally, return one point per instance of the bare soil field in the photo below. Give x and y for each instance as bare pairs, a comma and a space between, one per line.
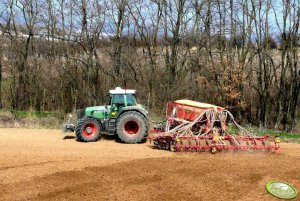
40, 164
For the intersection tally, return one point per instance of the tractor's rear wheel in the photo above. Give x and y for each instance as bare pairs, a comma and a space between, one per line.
88, 129
132, 127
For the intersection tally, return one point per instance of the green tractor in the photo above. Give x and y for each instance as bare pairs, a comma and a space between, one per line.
123, 117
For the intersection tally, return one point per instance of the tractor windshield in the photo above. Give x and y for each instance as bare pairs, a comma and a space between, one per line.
130, 99
118, 99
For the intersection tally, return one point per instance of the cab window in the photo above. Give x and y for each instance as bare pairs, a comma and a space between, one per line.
117, 99
130, 99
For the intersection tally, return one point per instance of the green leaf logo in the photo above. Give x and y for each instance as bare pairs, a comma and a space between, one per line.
281, 190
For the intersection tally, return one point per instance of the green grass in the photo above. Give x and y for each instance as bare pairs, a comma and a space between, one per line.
281, 134
284, 136
31, 119
36, 114
232, 129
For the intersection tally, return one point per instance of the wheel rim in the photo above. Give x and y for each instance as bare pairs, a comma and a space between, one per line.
132, 127
89, 130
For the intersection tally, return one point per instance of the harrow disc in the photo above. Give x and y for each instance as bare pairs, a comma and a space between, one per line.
207, 144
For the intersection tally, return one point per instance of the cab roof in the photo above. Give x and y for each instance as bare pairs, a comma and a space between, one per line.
119, 90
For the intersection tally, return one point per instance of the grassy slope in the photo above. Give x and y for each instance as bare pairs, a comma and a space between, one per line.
31, 119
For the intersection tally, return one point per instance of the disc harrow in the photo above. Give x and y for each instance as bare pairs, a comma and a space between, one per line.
198, 129
208, 144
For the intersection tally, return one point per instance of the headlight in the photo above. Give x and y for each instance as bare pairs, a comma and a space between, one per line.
113, 114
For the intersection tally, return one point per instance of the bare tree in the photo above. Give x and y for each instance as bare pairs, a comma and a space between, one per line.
222, 52
147, 27
288, 86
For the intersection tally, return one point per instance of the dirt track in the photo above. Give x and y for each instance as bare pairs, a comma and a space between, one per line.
41, 165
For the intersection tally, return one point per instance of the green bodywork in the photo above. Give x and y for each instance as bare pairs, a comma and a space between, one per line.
119, 103
121, 117
99, 112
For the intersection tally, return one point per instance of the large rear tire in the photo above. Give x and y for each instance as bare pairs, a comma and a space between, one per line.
88, 130
132, 127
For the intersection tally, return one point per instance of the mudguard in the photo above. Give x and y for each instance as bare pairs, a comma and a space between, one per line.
133, 108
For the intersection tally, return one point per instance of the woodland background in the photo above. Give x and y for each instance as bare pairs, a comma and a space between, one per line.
61, 55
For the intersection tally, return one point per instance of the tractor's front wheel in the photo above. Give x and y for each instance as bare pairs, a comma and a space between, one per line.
132, 127
88, 130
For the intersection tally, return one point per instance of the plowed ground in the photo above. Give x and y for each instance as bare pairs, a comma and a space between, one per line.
46, 165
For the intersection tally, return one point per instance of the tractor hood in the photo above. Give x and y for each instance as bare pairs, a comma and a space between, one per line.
97, 111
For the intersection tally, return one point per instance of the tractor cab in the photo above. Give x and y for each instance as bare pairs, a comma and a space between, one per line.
120, 98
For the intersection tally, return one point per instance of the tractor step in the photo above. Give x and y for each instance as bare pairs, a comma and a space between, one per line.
111, 126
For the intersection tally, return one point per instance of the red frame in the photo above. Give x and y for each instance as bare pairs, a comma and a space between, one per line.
165, 140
